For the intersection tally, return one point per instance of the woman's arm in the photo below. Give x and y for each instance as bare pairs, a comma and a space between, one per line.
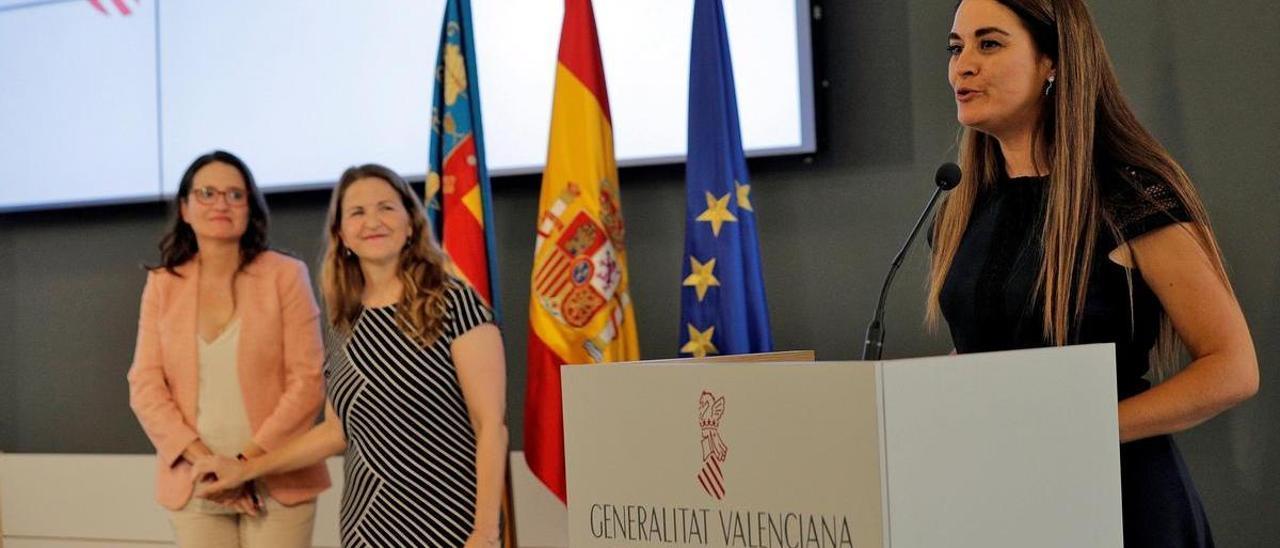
321, 442
303, 358
149, 394
1224, 367
482, 373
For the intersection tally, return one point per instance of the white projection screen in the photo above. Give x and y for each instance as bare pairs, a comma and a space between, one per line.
107, 101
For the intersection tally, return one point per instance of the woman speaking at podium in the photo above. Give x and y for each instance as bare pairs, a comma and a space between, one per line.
1073, 225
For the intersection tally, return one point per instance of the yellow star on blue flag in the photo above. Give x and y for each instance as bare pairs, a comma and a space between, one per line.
700, 344
723, 282
717, 213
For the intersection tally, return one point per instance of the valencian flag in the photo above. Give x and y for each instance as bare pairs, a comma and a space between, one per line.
722, 301
458, 197
459, 202
579, 309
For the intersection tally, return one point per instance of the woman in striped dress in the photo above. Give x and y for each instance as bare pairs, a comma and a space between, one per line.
416, 382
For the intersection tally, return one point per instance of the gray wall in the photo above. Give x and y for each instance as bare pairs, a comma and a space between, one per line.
1201, 74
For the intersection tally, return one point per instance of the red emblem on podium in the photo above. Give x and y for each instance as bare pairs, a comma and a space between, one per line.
714, 451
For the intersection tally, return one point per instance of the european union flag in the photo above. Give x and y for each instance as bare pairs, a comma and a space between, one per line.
722, 304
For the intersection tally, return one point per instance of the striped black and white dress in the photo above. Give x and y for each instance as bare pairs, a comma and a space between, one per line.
410, 461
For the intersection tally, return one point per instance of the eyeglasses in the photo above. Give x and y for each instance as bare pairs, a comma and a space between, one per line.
208, 195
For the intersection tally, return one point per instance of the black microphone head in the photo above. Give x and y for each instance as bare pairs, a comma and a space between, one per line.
948, 176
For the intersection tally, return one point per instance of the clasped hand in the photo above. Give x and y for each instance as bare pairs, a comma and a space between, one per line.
221, 480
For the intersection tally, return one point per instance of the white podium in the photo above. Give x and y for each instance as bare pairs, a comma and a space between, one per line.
1008, 449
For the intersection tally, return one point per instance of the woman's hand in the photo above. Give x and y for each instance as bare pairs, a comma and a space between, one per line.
236, 499
195, 451
214, 475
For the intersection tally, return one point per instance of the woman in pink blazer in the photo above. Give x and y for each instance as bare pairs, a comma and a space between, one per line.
228, 362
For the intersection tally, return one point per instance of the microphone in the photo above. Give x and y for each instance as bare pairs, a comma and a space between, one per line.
947, 177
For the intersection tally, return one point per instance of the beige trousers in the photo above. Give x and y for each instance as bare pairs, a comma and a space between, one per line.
277, 526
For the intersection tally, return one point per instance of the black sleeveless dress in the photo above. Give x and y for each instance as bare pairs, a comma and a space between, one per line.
990, 303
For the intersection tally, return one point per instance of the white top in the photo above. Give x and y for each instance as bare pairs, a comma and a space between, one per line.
221, 419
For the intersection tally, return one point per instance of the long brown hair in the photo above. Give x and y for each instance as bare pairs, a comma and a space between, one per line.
422, 270
1088, 129
179, 244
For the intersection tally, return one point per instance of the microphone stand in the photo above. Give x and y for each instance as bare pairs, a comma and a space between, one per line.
874, 342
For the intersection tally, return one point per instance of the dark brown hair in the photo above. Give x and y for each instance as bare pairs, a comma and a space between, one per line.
179, 244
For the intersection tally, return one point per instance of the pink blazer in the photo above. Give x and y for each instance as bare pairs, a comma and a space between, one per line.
279, 362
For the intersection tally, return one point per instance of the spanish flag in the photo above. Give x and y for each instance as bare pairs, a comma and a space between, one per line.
579, 310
